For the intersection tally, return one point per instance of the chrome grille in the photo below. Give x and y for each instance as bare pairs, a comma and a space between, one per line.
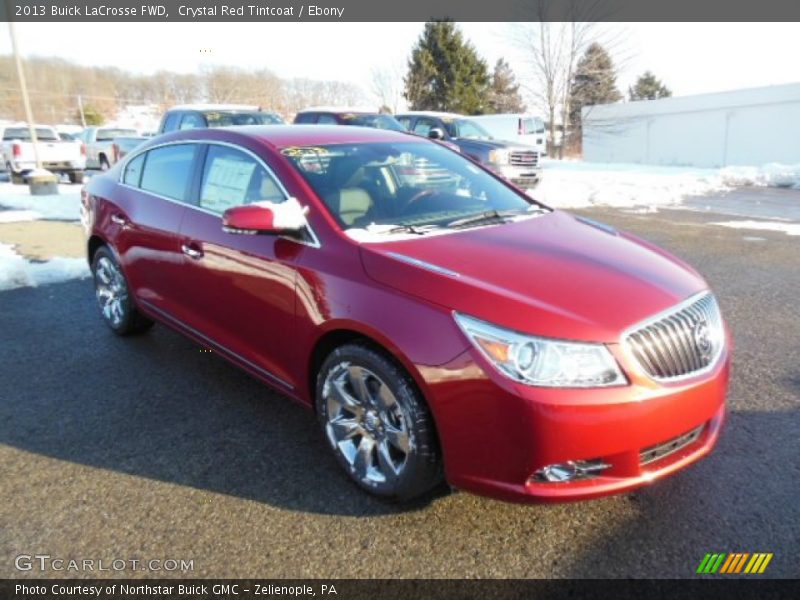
664, 449
523, 158
680, 342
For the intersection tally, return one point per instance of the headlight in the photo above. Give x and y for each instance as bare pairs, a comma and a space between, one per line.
498, 157
542, 361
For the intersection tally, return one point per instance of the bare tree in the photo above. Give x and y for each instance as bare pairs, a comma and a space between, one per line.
551, 50
387, 86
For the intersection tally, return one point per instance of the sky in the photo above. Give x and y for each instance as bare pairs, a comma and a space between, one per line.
690, 58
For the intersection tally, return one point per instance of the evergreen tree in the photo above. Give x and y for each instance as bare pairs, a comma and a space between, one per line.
504, 96
445, 72
595, 82
648, 87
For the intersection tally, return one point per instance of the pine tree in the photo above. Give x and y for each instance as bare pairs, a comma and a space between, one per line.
504, 94
595, 82
445, 72
648, 87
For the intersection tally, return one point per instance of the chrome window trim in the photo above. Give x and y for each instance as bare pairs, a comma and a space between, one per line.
713, 363
314, 243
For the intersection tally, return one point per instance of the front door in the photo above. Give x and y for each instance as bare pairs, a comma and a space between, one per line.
239, 290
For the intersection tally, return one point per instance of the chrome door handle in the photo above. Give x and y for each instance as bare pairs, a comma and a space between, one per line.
191, 252
122, 221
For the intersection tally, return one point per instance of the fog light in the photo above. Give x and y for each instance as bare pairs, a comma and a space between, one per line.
570, 470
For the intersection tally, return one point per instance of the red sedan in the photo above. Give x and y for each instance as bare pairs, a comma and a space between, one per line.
440, 323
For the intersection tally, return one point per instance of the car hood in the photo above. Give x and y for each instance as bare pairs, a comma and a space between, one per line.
555, 275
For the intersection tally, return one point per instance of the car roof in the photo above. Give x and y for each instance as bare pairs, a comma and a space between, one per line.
341, 109
218, 107
431, 113
284, 136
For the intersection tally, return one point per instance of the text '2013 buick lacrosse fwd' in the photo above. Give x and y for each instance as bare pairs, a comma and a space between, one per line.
440, 323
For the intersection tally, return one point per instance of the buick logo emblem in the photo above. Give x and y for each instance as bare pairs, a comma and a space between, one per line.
702, 339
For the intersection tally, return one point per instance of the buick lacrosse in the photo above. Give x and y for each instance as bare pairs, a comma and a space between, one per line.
440, 323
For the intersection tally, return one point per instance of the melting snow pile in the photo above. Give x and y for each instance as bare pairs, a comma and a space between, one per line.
17, 272
573, 184
64, 206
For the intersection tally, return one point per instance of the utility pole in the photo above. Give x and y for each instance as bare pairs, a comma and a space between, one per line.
24, 89
80, 109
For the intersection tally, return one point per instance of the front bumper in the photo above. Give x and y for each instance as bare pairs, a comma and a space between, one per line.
521, 176
496, 434
53, 166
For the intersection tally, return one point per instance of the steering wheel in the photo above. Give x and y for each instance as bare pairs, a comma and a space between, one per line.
419, 196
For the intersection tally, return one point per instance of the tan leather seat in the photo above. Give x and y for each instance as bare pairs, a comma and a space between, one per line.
354, 203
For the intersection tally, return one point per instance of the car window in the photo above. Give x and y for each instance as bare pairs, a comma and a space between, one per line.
326, 120
465, 128
232, 118
192, 121
168, 170
305, 118
532, 125
232, 178
171, 122
133, 171
106, 135
403, 184
405, 121
424, 125
24, 134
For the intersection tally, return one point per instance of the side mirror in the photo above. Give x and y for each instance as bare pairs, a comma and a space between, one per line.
436, 133
287, 217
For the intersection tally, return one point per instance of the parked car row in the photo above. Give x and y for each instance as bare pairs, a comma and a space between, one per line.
516, 160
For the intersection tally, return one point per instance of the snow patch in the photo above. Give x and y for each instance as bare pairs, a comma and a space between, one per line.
14, 216
575, 184
64, 206
787, 228
16, 272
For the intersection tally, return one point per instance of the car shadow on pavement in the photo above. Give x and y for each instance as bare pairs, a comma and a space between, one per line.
159, 406
741, 498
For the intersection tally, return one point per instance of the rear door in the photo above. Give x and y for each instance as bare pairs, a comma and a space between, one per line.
238, 291
147, 218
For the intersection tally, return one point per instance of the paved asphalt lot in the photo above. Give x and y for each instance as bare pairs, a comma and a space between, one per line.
148, 448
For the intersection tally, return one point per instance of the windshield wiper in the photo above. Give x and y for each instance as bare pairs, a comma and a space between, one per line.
415, 229
493, 216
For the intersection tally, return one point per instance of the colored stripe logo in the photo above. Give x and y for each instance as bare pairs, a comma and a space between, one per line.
735, 562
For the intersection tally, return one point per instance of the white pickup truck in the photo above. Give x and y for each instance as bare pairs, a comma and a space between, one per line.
59, 156
99, 142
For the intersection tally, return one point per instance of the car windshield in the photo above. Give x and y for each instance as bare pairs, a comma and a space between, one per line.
24, 134
375, 121
465, 128
106, 135
405, 186
227, 119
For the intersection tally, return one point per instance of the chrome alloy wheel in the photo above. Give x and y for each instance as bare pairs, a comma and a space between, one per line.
366, 424
111, 291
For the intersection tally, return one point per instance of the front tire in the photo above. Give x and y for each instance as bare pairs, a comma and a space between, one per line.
377, 424
113, 296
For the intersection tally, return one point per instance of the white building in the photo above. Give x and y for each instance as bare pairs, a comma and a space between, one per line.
742, 127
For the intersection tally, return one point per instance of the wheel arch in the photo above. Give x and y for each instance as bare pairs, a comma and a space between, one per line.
346, 333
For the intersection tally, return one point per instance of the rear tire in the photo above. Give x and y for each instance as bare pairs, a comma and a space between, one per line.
113, 296
16, 178
75, 177
377, 424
